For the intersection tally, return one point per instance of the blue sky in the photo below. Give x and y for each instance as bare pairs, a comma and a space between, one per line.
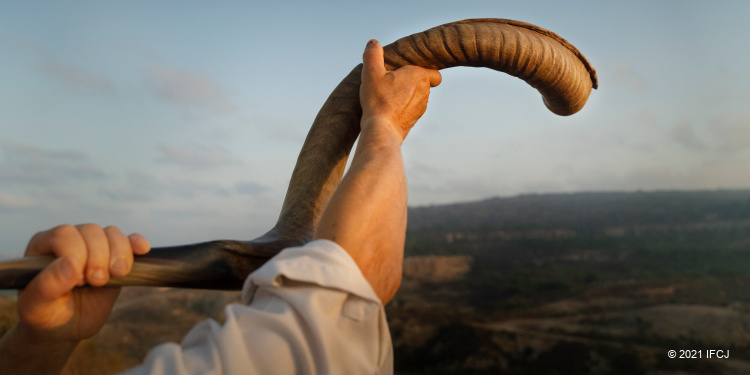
183, 121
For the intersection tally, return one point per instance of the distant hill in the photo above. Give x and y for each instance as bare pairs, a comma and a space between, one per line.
586, 211
576, 217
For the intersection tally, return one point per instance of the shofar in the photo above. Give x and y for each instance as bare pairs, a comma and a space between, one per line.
540, 57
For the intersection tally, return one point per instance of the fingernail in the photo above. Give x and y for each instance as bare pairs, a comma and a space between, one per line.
139, 243
98, 275
371, 42
118, 267
134, 237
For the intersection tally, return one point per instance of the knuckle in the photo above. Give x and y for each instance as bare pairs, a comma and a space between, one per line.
64, 230
38, 236
89, 227
413, 70
112, 229
61, 233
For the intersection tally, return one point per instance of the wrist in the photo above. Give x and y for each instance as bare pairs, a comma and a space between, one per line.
383, 127
41, 340
24, 353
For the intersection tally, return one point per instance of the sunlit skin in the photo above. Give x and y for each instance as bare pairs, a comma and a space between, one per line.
366, 216
54, 315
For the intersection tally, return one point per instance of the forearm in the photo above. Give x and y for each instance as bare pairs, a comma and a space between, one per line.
22, 354
367, 214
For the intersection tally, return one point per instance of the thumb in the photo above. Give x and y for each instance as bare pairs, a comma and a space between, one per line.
60, 277
435, 77
372, 60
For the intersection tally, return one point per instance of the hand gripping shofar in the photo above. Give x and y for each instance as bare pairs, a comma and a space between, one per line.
540, 57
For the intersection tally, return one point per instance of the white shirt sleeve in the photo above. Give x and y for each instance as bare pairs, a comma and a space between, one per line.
309, 310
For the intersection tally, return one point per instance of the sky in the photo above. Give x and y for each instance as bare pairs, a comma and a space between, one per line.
183, 121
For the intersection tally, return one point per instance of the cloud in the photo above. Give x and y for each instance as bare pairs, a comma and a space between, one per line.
13, 202
644, 117
420, 170
725, 136
184, 213
625, 75
250, 188
190, 189
128, 194
453, 190
717, 173
286, 133
143, 187
27, 164
732, 132
76, 78
146, 187
278, 129
15, 150
196, 156
684, 134
68, 75
189, 90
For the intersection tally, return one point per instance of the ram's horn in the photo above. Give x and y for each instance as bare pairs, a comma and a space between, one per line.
540, 57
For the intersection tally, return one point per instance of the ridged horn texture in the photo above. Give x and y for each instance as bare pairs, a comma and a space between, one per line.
540, 57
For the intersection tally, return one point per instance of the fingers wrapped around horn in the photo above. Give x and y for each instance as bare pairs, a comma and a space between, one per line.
221, 265
540, 57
